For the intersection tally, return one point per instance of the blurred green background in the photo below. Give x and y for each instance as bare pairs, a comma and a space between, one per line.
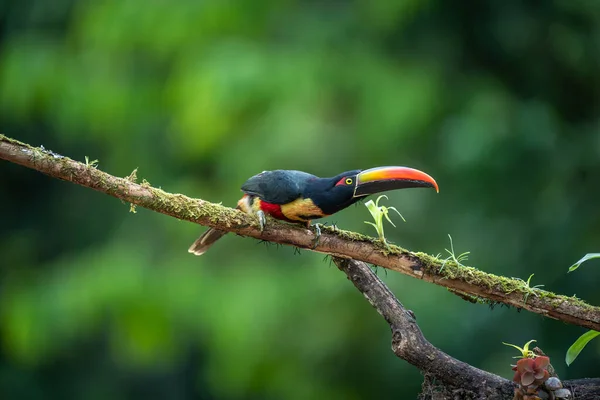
499, 101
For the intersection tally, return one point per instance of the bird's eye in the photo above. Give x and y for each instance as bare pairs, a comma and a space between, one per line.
348, 181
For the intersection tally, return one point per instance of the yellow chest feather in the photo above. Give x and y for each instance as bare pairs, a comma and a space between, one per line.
302, 210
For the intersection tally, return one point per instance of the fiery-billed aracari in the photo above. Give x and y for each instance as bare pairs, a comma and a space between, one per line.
299, 197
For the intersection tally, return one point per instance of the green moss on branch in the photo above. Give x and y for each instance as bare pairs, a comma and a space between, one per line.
462, 279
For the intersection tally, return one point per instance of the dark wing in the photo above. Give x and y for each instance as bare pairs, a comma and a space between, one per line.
279, 186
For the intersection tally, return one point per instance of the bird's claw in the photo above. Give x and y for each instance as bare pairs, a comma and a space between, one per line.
262, 220
317, 235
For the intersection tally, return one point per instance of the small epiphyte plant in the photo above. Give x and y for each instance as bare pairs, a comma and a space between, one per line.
530, 289
525, 352
531, 371
378, 212
90, 164
530, 374
457, 259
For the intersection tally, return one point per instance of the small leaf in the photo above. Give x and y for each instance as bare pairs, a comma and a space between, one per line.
513, 345
401, 216
370, 205
387, 216
526, 347
589, 256
379, 198
579, 344
373, 209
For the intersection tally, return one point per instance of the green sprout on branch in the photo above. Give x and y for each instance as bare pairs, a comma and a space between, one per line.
530, 289
90, 164
378, 212
457, 259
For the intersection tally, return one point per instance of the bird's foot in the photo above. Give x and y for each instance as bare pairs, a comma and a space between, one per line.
262, 220
317, 235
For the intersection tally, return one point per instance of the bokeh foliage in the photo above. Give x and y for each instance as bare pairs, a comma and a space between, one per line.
499, 101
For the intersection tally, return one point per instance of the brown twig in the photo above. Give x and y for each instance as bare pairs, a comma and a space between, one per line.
461, 279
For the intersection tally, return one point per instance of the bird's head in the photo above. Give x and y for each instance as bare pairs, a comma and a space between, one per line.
351, 186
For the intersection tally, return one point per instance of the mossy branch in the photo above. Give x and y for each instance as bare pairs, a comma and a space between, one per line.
459, 279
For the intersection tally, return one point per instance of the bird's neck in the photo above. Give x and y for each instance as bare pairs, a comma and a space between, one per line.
323, 194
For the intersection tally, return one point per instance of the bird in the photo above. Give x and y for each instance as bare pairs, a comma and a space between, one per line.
299, 197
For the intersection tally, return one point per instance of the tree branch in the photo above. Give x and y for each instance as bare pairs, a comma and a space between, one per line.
459, 380
409, 343
459, 279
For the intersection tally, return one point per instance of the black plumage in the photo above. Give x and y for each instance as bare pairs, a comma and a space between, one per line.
278, 186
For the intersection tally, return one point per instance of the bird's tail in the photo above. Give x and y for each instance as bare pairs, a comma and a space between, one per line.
207, 239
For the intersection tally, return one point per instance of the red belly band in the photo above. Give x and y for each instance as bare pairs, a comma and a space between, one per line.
273, 210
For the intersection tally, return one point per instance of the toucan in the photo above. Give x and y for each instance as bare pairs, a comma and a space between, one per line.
300, 197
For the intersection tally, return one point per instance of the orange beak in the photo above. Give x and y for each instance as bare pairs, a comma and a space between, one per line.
383, 179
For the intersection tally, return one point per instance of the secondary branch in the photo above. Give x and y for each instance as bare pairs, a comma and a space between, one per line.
409, 343
460, 279
458, 379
